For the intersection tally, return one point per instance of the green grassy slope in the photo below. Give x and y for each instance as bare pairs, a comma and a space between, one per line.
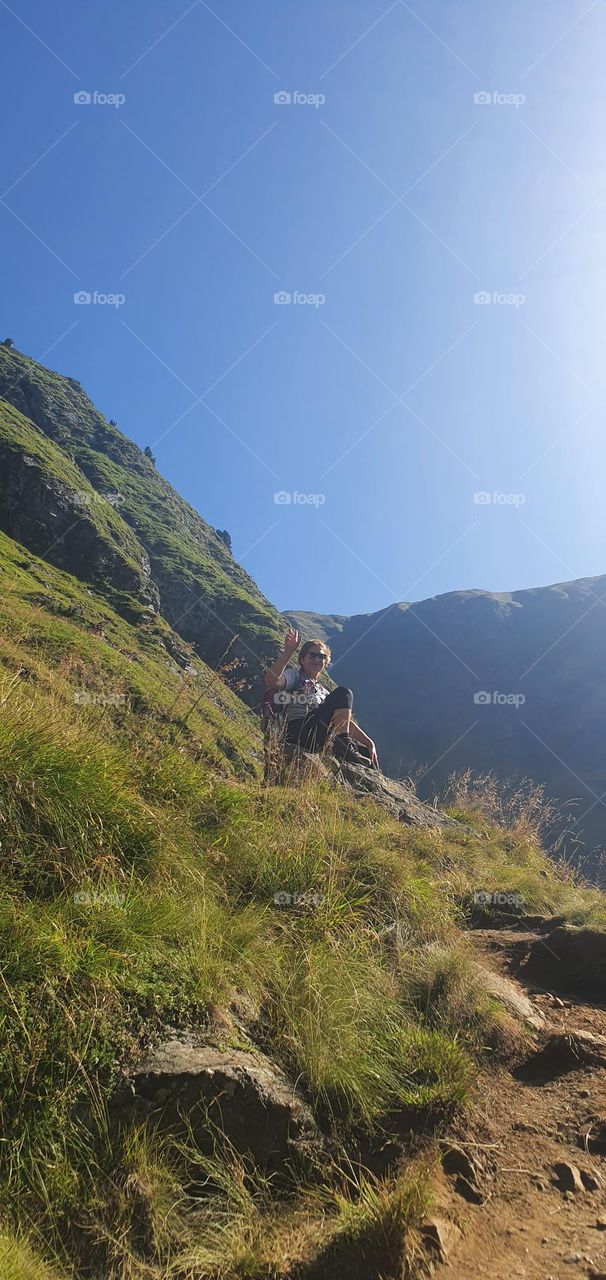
141, 858
139, 685
47, 503
204, 593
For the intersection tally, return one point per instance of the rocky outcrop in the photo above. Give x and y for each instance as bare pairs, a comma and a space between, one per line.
569, 958
511, 996
396, 797
243, 1093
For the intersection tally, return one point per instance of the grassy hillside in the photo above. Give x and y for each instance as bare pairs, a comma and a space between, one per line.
153, 886
138, 685
141, 859
204, 593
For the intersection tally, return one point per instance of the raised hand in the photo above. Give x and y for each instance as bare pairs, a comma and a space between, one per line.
292, 641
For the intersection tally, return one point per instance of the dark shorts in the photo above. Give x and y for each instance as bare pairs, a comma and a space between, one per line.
310, 732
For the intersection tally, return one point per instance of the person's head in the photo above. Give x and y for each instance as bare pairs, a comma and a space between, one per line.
314, 657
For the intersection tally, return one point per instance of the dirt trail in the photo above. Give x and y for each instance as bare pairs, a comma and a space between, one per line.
528, 1121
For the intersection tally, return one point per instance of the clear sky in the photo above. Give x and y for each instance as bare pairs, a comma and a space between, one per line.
383, 197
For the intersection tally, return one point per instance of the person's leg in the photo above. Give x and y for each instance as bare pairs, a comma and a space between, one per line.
333, 714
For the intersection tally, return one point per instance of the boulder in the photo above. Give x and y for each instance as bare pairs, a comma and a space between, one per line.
243, 1094
396, 797
511, 996
569, 958
563, 1052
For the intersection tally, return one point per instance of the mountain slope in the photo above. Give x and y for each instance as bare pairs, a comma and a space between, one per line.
202, 592
154, 893
238, 1020
425, 677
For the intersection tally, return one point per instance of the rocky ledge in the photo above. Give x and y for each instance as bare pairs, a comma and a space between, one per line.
396, 797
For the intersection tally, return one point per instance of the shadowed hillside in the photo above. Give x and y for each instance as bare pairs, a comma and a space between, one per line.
426, 675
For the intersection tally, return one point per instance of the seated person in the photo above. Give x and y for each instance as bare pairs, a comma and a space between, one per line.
312, 713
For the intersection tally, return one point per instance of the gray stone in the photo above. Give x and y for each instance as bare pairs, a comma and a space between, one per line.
568, 1176
511, 996
465, 1171
440, 1236
244, 1094
396, 797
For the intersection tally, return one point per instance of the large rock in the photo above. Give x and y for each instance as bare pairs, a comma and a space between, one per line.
511, 996
570, 958
244, 1094
396, 797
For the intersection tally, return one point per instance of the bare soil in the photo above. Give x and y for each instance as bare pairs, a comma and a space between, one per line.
525, 1122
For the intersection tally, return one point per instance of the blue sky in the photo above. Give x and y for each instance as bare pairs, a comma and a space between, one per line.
383, 199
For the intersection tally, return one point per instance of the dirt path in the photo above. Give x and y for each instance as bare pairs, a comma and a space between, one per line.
528, 1121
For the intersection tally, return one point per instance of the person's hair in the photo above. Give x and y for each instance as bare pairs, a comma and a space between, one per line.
309, 644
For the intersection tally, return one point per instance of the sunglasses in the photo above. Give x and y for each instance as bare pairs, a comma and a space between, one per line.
316, 655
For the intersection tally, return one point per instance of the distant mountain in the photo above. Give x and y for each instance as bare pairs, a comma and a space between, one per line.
509, 682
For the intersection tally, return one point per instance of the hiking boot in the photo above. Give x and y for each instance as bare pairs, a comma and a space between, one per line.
344, 748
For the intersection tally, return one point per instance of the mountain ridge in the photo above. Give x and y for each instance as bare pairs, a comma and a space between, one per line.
419, 671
